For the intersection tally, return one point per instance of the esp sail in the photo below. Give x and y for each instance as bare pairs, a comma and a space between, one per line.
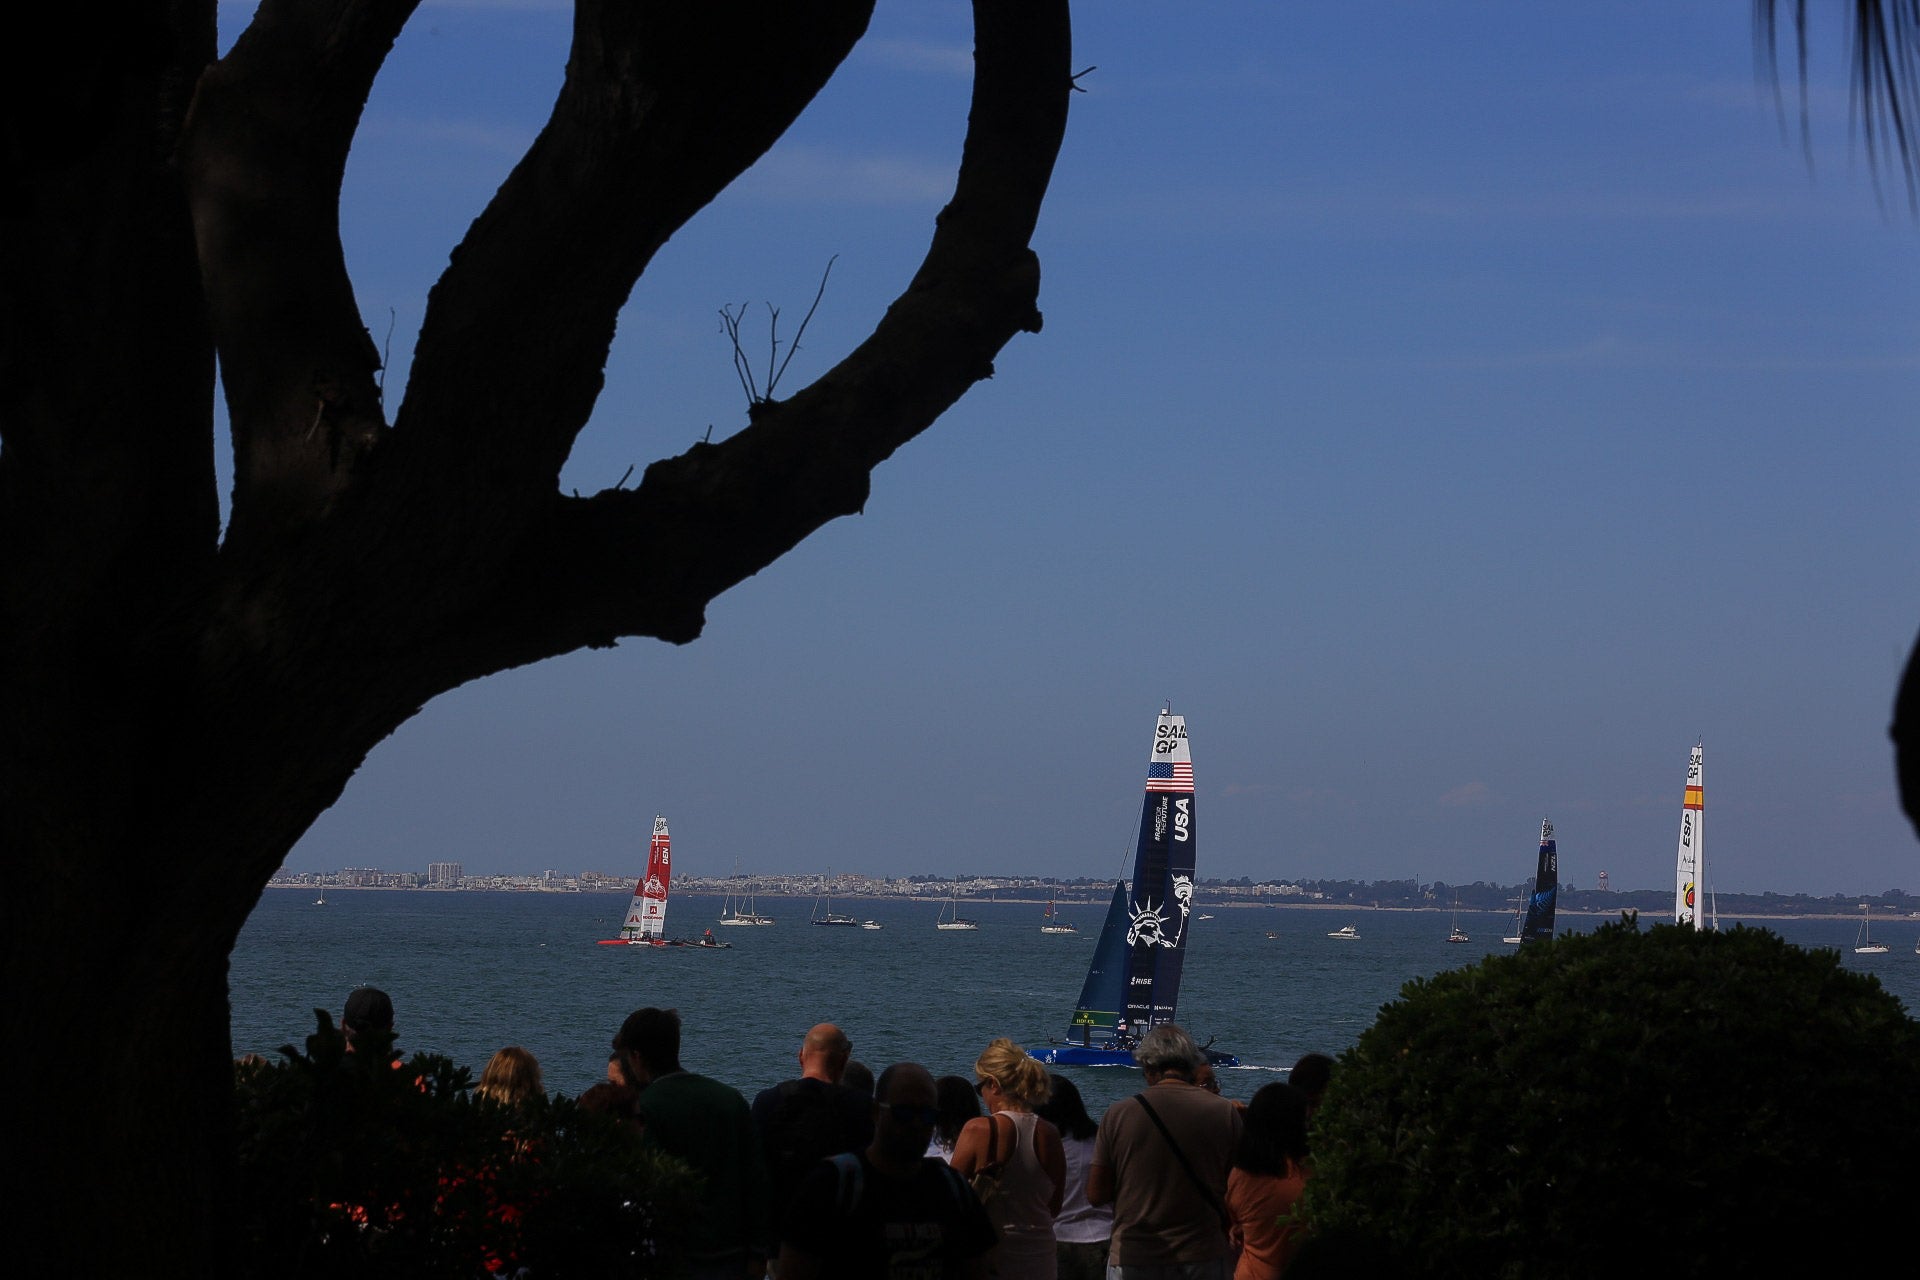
1691, 865
647, 913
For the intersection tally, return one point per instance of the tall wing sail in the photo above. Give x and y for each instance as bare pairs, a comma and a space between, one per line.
1097, 1013
1546, 888
1162, 898
1689, 871
648, 912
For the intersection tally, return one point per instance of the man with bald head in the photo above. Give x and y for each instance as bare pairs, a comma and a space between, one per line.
804, 1121
890, 1209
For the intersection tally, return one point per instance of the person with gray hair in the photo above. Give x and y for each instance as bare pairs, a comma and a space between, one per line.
1166, 1048
1161, 1160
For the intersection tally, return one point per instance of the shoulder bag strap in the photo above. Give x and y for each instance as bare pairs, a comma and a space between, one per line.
1206, 1192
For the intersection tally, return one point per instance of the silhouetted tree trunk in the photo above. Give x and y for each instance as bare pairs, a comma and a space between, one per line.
176, 708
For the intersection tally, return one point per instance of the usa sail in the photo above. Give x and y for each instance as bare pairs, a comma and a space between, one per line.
1538, 925
1133, 983
1691, 866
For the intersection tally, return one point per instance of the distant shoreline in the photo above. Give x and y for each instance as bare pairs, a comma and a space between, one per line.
935, 900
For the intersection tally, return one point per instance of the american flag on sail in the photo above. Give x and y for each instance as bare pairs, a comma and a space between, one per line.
1162, 776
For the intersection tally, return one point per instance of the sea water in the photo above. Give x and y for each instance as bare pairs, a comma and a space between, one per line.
472, 972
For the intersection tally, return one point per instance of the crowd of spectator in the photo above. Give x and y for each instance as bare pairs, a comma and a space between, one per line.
839, 1173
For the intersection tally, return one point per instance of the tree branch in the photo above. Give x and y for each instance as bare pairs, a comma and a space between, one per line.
517, 331
264, 152
647, 561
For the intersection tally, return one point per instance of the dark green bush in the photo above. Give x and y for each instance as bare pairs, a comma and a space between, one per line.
357, 1164
1700, 1103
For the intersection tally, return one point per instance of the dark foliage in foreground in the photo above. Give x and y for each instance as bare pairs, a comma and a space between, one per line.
357, 1164
1706, 1100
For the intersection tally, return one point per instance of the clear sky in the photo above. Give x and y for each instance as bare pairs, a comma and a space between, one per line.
1456, 412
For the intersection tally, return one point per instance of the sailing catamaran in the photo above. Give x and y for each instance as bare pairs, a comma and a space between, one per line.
1863, 943
1051, 921
1133, 982
951, 920
1537, 924
1690, 870
646, 922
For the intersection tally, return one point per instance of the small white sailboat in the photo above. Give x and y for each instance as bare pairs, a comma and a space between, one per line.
1345, 931
321, 901
742, 909
1456, 935
1863, 943
951, 921
1051, 921
1519, 918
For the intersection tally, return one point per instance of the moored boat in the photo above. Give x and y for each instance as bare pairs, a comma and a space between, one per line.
950, 920
742, 909
1051, 922
831, 918
1863, 943
1347, 931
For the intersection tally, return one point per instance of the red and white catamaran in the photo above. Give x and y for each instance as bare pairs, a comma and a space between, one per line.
646, 922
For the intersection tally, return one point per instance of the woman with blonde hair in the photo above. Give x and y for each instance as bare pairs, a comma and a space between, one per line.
512, 1076
1026, 1154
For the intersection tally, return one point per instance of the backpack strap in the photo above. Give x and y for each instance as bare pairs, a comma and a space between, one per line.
1206, 1192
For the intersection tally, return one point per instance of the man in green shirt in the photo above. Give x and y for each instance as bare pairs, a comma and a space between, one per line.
706, 1124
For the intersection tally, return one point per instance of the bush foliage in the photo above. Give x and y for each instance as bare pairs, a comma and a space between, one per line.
360, 1164
1701, 1102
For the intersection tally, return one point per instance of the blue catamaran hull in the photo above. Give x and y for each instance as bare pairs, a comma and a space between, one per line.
1073, 1055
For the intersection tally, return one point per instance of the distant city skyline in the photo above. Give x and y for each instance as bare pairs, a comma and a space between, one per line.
801, 885
1456, 412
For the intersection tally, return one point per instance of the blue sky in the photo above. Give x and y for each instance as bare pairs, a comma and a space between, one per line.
1456, 412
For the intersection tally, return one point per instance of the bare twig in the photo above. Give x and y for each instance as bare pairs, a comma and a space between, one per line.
741, 368
818, 294
776, 367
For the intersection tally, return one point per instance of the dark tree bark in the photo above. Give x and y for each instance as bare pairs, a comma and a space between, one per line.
177, 707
